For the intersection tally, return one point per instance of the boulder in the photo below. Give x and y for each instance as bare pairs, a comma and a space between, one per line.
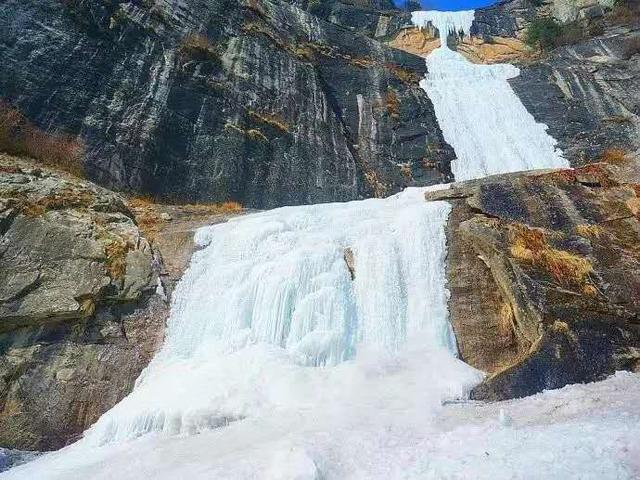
544, 274
79, 314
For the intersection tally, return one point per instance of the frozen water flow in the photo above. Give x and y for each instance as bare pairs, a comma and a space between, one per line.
480, 115
270, 295
444, 22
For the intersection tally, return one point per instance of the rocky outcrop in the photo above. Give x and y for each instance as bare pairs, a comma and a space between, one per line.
83, 297
544, 274
79, 313
257, 101
587, 94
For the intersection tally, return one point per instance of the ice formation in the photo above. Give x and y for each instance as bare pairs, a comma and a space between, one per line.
480, 115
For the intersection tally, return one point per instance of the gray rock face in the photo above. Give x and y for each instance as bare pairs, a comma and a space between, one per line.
375, 19
587, 94
256, 101
79, 317
504, 19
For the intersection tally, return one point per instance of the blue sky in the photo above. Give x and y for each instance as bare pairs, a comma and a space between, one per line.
451, 4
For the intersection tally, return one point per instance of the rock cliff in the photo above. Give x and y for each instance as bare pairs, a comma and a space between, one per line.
544, 273
257, 101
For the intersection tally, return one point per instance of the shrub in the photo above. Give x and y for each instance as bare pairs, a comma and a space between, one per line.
543, 33
18, 136
613, 155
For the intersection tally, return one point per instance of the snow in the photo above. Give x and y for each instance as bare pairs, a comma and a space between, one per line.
581, 431
480, 115
278, 365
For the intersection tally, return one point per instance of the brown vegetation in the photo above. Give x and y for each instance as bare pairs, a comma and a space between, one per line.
530, 245
148, 212
270, 119
379, 189
252, 133
392, 104
20, 137
589, 230
404, 75
613, 155
116, 263
197, 45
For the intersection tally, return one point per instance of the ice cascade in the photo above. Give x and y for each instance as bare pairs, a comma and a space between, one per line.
317, 336
480, 115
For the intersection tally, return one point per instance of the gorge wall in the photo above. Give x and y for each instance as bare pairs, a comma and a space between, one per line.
255, 101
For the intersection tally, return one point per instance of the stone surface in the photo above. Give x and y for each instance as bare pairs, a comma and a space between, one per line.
587, 94
79, 317
257, 101
544, 271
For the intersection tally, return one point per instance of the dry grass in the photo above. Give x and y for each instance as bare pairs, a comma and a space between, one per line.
198, 45
589, 230
116, 263
613, 155
148, 212
379, 189
392, 104
64, 199
18, 136
252, 133
271, 119
530, 245
362, 62
562, 176
600, 173
404, 75
405, 170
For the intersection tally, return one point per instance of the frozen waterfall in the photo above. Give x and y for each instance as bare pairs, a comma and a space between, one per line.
480, 115
318, 335
271, 294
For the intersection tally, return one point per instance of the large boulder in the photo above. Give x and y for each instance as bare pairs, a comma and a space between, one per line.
80, 313
544, 273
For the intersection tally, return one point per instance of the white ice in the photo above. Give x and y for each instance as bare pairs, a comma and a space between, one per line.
278, 365
270, 295
480, 115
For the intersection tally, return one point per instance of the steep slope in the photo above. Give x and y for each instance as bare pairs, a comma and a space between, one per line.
255, 101
79, 313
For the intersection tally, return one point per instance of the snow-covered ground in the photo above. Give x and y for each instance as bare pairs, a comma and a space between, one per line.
578, 432
279, 365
